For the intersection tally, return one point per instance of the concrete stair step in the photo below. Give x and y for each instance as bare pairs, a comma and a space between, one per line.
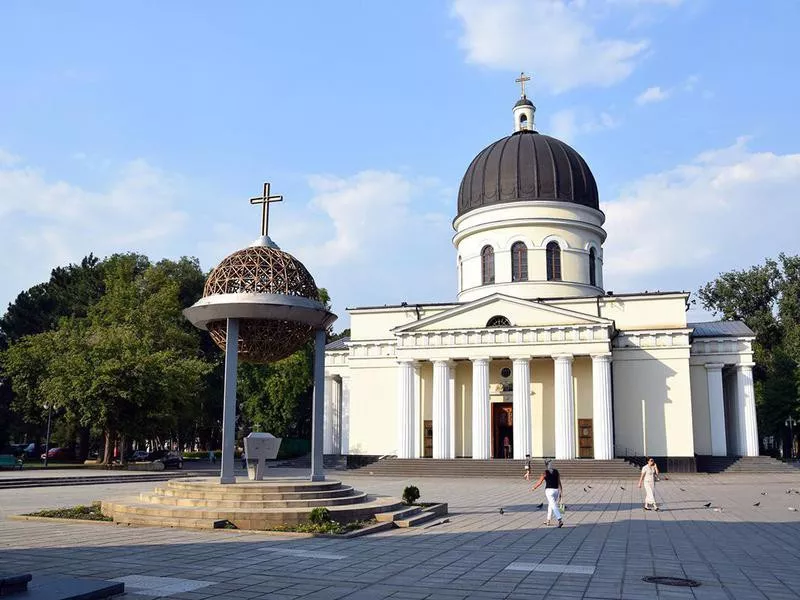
151, 498
403, 513
341, 491
418, 519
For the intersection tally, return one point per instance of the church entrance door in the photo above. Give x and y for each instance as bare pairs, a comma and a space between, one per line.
585, 438
502, 430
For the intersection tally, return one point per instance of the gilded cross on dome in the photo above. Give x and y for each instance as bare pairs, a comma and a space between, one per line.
521, 80
265, 200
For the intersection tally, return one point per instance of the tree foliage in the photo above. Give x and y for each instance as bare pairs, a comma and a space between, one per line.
767, 298
129, 366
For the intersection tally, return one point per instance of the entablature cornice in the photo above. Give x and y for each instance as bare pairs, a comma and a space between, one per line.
504, 336
710, 347
652, 339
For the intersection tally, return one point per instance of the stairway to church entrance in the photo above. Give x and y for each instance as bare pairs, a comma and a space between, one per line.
617, 468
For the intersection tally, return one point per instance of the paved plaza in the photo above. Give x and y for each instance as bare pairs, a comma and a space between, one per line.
734, 549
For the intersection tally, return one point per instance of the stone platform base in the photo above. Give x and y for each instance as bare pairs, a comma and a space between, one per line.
204, 503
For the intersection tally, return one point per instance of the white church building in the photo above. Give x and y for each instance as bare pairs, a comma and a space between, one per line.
534, 357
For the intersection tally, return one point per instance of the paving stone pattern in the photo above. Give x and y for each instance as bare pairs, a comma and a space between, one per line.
608, 545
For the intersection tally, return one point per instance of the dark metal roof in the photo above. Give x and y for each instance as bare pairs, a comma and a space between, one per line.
721, 329
523, 166
340, 344
523, 102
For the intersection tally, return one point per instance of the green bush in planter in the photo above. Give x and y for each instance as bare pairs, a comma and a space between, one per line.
410, 494
320, 516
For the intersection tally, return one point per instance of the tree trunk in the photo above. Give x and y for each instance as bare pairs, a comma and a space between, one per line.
122, 448
107, 450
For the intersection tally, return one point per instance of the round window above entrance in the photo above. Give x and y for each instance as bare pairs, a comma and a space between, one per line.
498, 321
505, 372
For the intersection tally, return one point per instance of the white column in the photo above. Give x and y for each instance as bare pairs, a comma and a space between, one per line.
417, 410
602, 419
336, 403
328, 420
345, 416
229, 401
716, 409
481, 440
405, 409
522, 406
565, 407
746, 401
451, 390
318, 408
441, 409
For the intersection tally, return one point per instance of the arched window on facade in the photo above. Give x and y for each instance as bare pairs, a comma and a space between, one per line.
553, 262
523, 121
487, 265
519, 262
592, 267
498, 321
460, 275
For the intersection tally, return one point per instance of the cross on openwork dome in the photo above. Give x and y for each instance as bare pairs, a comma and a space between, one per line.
265, 200
521, 80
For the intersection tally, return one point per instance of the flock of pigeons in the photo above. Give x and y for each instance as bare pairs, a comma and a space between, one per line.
706, 505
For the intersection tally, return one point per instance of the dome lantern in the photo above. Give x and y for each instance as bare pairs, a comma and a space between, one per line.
524, 110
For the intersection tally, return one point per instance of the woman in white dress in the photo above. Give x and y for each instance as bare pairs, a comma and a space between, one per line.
649, 476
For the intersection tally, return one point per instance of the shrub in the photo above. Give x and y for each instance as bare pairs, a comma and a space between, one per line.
410, 494
319, 516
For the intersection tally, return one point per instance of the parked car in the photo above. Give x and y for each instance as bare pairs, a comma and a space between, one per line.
59, 454
169, 458
138, 455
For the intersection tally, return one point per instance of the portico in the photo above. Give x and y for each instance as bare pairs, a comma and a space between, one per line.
457, 396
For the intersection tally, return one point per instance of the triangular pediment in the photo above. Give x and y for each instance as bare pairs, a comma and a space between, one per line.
520, 313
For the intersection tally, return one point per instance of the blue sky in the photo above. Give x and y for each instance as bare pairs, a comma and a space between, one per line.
146, 126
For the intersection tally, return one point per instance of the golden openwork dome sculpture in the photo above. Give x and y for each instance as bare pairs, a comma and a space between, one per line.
262, 270
269, 291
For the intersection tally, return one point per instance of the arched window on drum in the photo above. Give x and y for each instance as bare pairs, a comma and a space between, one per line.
592, 267
553, 262
519, 262
487, 265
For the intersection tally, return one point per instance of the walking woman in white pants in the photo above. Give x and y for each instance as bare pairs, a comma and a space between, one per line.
552, 490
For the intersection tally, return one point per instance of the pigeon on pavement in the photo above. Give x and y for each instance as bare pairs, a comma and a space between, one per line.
501, 510
681, 489
757, 504
622, 488
584, 489
792, 508
763, 493
708, 505
540, 505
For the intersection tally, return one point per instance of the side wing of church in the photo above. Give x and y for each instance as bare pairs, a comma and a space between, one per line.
535, 358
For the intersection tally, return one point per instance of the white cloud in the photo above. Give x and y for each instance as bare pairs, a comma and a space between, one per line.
729, 208
570, 123
652, 94
7, 159
45, 223
555, 39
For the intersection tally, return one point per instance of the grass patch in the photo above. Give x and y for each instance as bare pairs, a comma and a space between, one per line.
81, 513
330, 527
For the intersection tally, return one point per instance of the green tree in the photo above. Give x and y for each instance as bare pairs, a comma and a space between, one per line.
130, 366
767, 298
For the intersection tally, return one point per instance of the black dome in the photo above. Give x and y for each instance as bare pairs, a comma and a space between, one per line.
527, 166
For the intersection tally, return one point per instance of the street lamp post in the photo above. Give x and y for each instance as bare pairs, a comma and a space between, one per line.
49, 408
790, 423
